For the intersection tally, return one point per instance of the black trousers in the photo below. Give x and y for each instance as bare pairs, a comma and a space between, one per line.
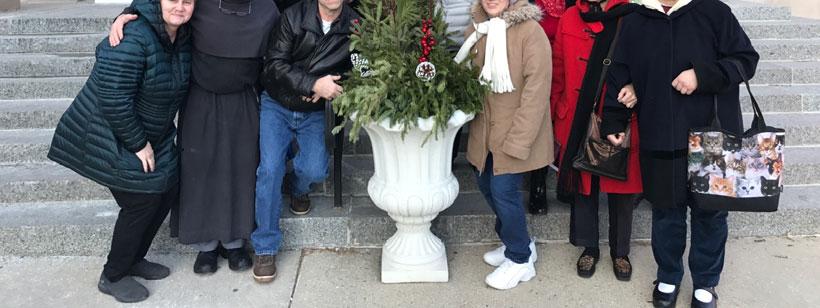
139, 219
583, 231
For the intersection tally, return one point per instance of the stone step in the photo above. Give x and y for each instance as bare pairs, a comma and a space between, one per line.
47, 19
787, 73
788, 49
745, 10
35, 182
26, 114
31, 145
44, 43
80, 64
801, 129
40, 88
782, 29
46, 65
87, 18
769, 49
47, 181
792, 99
84, 227
773, 98
24, 145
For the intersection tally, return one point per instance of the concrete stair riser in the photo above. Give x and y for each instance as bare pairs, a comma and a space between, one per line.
51, 182
769, 49
780, 99
80, 64
787, 73
749, 11
31, 145
40, 88
84, 228
30, 114
55, 25
44, 110
46, 65
791, 49
13, 44
791, 29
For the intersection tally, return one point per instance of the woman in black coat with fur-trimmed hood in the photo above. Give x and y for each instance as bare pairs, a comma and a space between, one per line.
680, 55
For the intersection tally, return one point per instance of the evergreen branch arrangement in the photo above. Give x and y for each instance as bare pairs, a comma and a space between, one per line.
388, 45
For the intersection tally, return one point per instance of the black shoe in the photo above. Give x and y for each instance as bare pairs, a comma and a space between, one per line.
587, 262
238, 259
698, 304
125, 290
150, 270
664, 300
622, 268
300, 205
206, 262
538, 191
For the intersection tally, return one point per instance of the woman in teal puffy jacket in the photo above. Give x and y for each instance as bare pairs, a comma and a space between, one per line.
120, 132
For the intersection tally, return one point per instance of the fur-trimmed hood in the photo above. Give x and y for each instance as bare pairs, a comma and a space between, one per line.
517, 12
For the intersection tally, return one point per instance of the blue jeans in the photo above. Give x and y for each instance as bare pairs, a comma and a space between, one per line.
505, 199
277, 127
706, 254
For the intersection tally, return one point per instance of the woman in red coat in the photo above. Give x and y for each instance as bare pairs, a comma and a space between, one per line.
551, 12
584, 36
552, 9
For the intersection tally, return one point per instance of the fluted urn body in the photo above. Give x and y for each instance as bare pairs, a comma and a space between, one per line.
413, 182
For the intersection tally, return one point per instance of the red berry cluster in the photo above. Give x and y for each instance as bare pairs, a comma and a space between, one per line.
356, 26
427, 41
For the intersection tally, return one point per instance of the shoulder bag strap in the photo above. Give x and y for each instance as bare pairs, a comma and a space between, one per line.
607, 63
758, 121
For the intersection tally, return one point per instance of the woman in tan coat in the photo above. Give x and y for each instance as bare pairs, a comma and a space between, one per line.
513, 135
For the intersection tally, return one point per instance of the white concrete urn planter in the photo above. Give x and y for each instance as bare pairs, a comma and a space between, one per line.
413, 182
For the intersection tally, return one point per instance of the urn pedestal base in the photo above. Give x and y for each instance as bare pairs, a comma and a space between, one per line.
395, 272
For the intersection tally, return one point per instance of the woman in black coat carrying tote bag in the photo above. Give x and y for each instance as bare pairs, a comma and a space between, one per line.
680, 55
120, 133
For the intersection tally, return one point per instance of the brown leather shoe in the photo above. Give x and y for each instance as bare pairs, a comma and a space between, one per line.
300, 205
264, 268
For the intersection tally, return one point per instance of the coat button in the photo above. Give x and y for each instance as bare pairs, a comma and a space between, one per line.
492, 123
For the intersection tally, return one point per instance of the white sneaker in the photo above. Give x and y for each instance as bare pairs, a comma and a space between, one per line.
496, 256
509, 274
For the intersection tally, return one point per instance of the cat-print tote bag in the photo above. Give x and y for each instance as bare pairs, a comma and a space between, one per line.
730, 172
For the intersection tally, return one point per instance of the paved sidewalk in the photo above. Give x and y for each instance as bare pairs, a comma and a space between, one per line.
760, 272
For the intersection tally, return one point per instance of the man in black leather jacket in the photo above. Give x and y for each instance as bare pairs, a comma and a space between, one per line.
307, 54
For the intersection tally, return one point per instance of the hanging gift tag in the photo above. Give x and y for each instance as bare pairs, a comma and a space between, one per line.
361, 64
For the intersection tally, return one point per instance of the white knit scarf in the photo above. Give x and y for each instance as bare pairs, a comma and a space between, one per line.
496, 70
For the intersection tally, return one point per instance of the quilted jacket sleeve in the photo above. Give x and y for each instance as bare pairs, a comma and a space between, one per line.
118, 73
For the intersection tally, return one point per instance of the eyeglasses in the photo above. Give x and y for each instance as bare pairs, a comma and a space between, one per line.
237, 13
